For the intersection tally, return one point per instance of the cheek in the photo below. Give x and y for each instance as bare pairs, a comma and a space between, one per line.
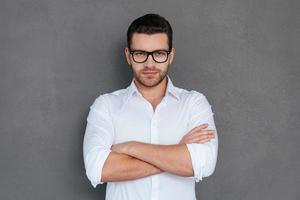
164, 67
136, 67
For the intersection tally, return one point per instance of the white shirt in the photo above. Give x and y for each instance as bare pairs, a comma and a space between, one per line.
125, 115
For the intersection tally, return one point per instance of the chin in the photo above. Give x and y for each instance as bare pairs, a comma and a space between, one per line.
150, 83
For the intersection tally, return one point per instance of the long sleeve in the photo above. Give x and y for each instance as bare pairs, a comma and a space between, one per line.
98, 140
203, 156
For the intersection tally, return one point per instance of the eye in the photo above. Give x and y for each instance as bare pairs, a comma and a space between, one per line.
160, 53
139, 53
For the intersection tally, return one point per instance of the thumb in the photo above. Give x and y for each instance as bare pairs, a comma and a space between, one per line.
202, 126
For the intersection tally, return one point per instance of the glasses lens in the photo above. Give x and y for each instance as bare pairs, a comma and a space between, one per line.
160, 56
139, 56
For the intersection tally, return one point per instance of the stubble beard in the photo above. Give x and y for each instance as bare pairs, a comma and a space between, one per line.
150, 82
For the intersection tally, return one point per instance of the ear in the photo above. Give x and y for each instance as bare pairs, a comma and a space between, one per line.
172, 54
127, 55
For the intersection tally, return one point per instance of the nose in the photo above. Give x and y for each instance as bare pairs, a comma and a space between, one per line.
149, 61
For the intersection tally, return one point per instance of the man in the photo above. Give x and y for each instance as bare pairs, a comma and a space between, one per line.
151, 140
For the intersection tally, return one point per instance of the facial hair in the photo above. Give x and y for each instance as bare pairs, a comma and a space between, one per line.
150, 82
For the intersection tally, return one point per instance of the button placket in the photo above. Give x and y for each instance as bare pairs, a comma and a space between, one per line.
154, 136
155, 140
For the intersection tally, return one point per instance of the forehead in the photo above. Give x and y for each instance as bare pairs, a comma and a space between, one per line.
149, 42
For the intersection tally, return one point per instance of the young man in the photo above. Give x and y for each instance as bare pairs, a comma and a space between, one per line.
151, 140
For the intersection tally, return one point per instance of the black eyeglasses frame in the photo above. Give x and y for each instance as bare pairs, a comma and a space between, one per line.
150, 53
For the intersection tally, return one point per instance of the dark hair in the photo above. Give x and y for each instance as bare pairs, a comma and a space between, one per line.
150, 24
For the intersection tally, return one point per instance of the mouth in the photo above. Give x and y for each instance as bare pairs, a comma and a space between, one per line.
149, 72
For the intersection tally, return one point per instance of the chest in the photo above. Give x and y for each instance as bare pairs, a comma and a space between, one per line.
139, 121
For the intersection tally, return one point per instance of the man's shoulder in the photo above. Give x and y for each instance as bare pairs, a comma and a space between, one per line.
109, 98
190, 95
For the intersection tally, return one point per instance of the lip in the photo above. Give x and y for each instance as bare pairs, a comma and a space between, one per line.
149, 72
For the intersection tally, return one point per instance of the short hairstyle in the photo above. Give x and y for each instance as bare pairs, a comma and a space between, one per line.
149, 24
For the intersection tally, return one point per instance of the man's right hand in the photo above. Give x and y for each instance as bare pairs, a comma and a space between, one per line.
198, 135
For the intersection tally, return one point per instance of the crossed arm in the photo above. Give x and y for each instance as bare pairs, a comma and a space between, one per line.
132, 160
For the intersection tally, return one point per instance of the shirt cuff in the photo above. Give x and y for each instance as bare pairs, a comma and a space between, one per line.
198, 157
94, 165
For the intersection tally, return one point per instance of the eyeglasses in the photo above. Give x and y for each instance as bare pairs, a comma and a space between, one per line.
159, 56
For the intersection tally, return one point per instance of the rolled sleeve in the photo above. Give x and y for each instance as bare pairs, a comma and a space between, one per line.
203, 156
97, 140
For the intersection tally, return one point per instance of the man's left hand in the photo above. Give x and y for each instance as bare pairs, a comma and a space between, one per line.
122, 147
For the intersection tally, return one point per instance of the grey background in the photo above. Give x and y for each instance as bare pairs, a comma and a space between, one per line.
57, 56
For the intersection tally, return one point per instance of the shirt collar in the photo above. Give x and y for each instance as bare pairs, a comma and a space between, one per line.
132, 89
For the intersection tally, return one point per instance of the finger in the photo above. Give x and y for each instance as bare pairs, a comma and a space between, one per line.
197, 135
197, 139
200, 127
192, 140
206, 132
202, 132
203, 141
202, 137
